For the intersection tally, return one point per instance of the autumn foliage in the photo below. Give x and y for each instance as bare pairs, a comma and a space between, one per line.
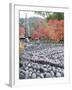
39, 33
21, 31
54, 31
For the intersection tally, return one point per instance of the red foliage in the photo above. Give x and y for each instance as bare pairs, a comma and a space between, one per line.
21, 32
39, 33
54, 31
35, 35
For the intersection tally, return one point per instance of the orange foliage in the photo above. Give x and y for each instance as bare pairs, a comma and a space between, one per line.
54, 31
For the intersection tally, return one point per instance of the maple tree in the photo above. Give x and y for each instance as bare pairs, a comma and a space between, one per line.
54, 31
21, 31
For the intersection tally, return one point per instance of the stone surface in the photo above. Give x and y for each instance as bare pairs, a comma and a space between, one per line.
41, 75
42, 61
58, 74
48, 75
33, 75
21, 76
52, 73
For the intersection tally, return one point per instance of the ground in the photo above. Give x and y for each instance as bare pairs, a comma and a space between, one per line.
42, 61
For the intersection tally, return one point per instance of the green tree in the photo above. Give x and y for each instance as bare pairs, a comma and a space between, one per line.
58, 16
51, 15
21, 21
